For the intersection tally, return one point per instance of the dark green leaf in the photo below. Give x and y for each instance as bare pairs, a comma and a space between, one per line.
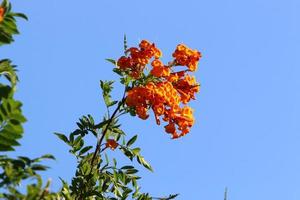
111, 61
85, 149
21, 15
62, 137
48, 156
132, 171
38, 167
127, 167
131, 141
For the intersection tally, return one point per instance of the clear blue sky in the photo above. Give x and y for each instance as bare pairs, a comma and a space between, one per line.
247, 133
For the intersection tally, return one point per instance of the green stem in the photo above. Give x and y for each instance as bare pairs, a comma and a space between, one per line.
99, 142
98, 147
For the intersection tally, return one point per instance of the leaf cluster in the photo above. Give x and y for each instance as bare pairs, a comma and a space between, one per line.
14, 171
11, 117
8, 26
102, 179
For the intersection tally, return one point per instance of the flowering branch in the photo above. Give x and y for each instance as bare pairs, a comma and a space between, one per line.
161, 90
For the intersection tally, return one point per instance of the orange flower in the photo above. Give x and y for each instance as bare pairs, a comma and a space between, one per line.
142, 112
157, 53
157, 63
2, 12
144, 44
124, 63
185, 56
170, 128
160, 71
138, 58
112, 144
187, 87
173, 77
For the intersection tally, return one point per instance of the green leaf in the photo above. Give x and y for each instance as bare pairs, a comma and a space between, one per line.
48, 156
8, 70
4, 147
136, 151
21, 15
118, 71
102, 124
10, 26
172, 196
106, 159
111, 61
8, 142
128, 153
11, 129
107, 87
127, 167
78, 143
85, 149
132, 171
111, 103
38, 167
126, 80
62, 137
143, 162
131, 141
27, 160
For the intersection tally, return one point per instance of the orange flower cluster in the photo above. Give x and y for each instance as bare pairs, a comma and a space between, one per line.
164, 99
186, 86
185, 56
112, 144
2, 11
166, 94
159, 70
138, 58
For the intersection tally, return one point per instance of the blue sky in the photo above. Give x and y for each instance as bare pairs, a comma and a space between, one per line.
247, 134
